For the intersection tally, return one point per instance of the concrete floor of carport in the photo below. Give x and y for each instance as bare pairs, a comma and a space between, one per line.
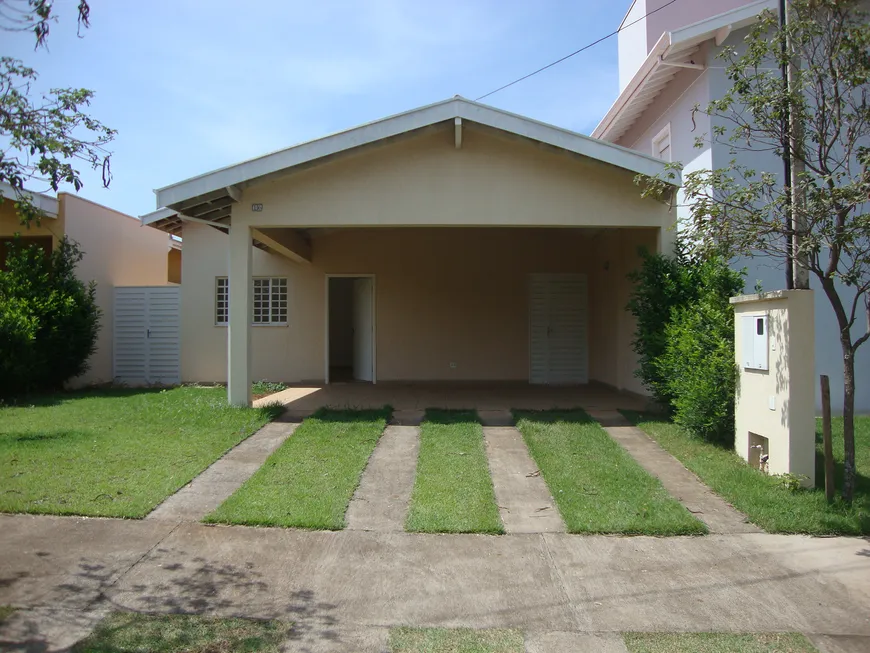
492, 399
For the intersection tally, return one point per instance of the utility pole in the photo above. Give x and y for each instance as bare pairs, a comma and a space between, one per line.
800, 266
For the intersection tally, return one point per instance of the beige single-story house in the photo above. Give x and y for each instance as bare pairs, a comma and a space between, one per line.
452, 242
117, 253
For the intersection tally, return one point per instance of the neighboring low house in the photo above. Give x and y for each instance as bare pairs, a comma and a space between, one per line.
118, 251
668, 65
451, 242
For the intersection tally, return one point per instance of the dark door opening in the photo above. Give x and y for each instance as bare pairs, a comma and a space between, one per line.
351, 329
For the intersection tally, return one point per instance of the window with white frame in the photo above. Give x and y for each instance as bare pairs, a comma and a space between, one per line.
270, 300
661, 148
269, 305
222, 301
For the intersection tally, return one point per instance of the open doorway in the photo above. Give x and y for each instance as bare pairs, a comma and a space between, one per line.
350, 335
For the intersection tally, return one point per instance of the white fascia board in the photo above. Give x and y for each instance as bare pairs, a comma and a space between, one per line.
310, 151
647, 68
675, 41
154, 216
447, 110
46, 203
705, 30
593, 148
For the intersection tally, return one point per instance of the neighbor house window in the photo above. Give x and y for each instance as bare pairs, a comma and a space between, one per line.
270, 301
662, 144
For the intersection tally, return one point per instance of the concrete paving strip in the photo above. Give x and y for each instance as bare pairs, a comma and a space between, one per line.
524, 500
331, 638
840, 643
567, 642
682, 484
380, 503
215, 485
355, 579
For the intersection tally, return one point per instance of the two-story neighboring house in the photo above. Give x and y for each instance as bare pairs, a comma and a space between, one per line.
668, 65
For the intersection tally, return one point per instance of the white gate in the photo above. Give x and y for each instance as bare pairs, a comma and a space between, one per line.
147, 335
558, 350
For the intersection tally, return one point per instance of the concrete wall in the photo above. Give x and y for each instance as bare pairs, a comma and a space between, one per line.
777, 403
632, 43
118, 251
442, 295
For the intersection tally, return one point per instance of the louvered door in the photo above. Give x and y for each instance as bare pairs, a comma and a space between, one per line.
147, 335
558, 351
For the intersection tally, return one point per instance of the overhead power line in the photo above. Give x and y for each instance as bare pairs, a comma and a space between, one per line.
568, 56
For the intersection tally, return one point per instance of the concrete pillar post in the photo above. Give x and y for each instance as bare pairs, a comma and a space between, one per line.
239, 340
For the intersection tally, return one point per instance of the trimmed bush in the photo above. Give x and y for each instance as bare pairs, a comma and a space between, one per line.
698, 361
685, 339
661, 284
48, 319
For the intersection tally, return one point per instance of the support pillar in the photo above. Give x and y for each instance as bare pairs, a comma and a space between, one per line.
239, 340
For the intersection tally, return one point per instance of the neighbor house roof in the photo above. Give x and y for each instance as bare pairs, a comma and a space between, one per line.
45, 203
672, 52
209, 196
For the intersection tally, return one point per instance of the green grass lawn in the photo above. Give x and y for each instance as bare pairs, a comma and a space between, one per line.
455, 640
453, 489
763, 498
597, 485
126, 632
309, 481
113, 452
717, 643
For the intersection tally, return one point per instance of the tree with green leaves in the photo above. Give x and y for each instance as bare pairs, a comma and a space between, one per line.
819, 118
45, 137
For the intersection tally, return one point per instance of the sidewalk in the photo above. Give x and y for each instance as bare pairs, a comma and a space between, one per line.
356, 579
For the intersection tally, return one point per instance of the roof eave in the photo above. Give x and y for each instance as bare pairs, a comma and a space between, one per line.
410, 121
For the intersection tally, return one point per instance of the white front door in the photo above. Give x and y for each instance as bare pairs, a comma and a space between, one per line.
363, 330
558, 352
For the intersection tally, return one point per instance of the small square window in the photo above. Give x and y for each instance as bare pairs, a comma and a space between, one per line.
269, 305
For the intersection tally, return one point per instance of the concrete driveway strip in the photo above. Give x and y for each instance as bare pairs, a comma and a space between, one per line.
219, 481
524, 501
380, 503
683, 485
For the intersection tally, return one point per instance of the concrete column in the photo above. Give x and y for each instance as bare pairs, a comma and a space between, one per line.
239, 340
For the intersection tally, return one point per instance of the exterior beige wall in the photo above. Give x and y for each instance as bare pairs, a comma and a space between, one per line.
789, 383
425, 181
118, 251
10, 224
442, 295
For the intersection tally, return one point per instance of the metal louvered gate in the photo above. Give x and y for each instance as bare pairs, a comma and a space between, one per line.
147, 335
558, 327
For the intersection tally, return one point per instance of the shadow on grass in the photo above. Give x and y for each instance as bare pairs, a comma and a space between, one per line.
443, 416
570, 416
352, 415
57, 398
38, 437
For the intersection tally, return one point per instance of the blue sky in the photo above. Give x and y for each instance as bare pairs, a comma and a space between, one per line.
193, 85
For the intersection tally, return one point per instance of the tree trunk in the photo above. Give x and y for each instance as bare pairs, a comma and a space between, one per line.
848, 417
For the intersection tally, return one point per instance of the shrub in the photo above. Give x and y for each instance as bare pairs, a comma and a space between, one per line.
48, 319
661, 284
698, 361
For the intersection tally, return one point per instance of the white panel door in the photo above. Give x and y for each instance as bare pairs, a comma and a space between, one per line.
558, 349
147, 335
363, 330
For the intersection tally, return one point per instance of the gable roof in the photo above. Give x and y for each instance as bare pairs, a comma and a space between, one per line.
665, 60
214, 191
